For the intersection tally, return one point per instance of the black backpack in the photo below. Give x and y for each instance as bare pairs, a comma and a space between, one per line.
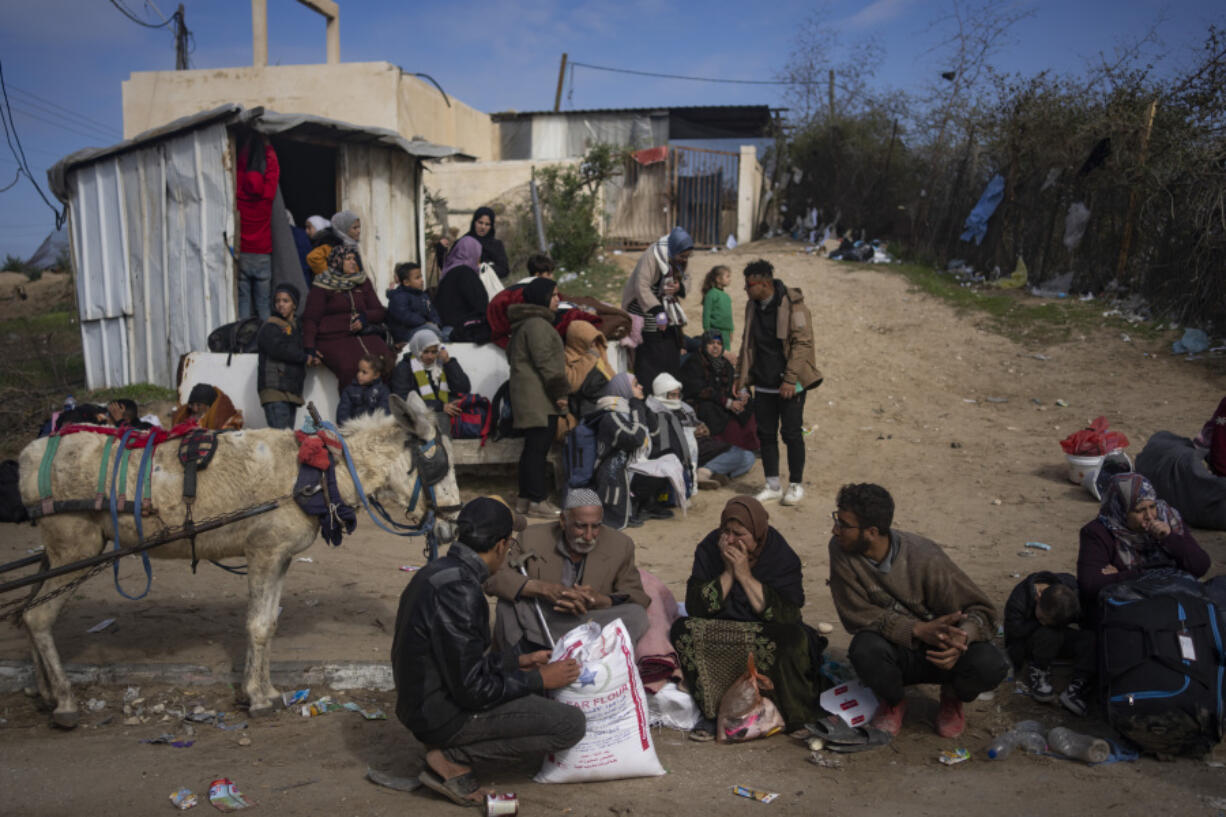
235, 338
579, 452
1162, 664
502, 424
11, 509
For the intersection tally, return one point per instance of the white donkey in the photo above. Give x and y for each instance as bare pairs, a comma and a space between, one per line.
249, 468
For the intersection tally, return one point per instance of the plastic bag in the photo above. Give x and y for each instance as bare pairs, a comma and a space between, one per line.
673, 708
617, 742
744, 714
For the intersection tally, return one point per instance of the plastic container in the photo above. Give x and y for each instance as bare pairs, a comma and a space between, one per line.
1027, 734
1079, 466
1078, 746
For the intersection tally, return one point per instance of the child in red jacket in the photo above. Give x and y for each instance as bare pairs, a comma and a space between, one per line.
256, 186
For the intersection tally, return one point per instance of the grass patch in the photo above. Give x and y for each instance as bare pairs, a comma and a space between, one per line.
600, 279
140, 392
42, 353
1019, 315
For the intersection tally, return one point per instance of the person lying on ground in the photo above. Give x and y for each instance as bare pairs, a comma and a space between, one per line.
367, 394
914, 616
747, 587
574, 570
466, 703
1135, 531
210, 408
431, 371
409, 307
1041, 624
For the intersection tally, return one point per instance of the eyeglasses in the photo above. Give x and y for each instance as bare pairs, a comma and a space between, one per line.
839, 524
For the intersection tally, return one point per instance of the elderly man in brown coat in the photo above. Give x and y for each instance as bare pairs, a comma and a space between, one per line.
777, 360
572, 571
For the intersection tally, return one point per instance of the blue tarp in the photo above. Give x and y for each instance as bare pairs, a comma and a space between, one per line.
976, 226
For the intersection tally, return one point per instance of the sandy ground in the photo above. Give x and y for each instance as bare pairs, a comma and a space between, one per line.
20, 296
901, 370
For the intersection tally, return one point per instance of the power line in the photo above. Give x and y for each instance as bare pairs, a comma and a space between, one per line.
126, 13
20, 154
691, 79
61, 125
9, 186
54, 107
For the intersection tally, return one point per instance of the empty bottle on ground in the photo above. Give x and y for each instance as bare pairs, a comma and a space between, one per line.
1078, 746
1027, 734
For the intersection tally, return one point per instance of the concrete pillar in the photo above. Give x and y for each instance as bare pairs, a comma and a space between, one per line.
747, 193
259, 33
333, 35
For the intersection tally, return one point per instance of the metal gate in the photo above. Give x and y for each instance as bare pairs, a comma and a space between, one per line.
694, 188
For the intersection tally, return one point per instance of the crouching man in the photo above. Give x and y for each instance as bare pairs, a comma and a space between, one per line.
574, 570
465, 703
914, 616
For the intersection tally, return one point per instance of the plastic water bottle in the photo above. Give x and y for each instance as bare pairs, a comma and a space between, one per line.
70, 403
1027, 734
1078, 746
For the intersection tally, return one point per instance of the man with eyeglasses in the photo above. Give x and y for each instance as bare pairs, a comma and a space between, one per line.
464, 702
777, 359
914, 616
574, 570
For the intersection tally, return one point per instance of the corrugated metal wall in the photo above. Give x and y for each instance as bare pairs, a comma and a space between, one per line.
378, 183
153, 273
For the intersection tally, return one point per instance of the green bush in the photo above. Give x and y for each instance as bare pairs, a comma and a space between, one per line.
13, 264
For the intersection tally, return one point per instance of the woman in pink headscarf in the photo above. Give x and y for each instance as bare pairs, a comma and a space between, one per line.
462, 300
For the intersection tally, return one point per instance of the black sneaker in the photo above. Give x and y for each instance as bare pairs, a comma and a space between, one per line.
1040, 684
1074, 696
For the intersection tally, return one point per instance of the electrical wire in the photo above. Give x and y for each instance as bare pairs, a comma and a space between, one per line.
9, 186
127, 13
65, 127
691, 79
54, 108
19, 153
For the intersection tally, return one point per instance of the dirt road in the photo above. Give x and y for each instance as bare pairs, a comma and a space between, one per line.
906, 379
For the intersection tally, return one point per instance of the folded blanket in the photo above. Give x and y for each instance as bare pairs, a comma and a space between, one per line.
657, 660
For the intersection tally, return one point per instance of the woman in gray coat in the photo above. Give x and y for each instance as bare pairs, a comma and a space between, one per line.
539, 390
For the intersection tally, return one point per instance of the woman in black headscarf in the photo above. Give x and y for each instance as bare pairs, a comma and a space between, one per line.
492, 250
745, 594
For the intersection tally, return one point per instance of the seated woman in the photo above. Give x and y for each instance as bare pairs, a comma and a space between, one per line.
431, 371
621, 438
208, 407
677, 426
706, 384
657, 468
1135, 531
587, 368
341, 305
745, 594
462, 300
716, 462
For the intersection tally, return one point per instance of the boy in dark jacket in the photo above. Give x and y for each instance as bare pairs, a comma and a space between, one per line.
1039, 619
367, 394
408, 305
283, 361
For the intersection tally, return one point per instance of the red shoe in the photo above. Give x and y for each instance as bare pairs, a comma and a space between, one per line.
951, 722
889, 718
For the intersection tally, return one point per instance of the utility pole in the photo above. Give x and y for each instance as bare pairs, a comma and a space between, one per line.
181, 33
557, 98
831, 94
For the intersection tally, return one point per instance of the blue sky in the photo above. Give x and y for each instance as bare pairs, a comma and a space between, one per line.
73, 55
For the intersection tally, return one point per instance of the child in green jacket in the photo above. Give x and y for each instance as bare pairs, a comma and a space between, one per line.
717, 305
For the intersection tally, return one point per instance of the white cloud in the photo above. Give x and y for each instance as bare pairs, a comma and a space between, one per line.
877, 12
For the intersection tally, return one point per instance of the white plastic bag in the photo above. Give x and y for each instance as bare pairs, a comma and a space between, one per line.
489, 280
617, 742
673, 708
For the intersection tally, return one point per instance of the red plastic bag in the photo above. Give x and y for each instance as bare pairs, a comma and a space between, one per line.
1094, 441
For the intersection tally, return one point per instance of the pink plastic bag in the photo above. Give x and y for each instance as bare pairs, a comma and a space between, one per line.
744, 714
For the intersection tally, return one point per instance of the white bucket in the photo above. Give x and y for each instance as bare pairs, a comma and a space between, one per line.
1079, 466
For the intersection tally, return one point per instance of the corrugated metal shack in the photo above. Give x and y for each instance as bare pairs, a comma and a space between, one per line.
152, 221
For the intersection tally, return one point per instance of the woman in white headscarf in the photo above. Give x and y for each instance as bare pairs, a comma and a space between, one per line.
432, 372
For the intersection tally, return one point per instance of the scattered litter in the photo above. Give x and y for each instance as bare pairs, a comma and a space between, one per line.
955, 444
969, 400
295, 697
1193, 341
954, 757
391, 781
101, 625
311, 603
1040, 356
321, 707
815, 744
169, 740
35, 549
201, 715
132, 695
95, 704
244, 741
755, 794
1062, 403
1124, 337
853, 702
825, 627
998, 399
996, 501
1038, 545
1015, 575
373, 715
410, 568
228, 727
225, 796
306, 559
1025, 553
183, 799
825, 761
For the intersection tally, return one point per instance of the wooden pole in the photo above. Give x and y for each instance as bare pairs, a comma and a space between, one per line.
830, 93
557, 97
1126, 241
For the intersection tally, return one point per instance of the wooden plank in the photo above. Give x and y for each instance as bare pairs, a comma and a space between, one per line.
471, 452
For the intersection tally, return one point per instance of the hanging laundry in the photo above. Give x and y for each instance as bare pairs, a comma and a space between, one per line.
1075, 224
1052, 175
976, 226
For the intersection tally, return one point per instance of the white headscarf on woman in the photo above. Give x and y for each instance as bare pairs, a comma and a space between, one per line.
341, 222
422, 340
661, 386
